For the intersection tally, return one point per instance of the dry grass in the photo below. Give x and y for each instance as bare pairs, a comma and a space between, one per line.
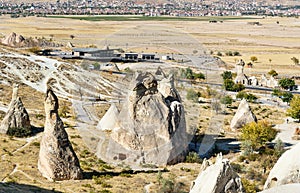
17, 153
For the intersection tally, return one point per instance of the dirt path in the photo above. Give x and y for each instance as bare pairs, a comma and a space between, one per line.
286, 131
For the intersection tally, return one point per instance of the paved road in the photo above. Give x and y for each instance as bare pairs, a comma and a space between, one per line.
247, 87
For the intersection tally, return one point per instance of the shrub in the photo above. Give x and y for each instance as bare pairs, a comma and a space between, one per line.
249, 186
36, 144
241, 158
198, 76
192, 95
272, 73
236, 53
105, 191
248, 96
238, 87
295, 60
236, 167
229, 53
34, 50
63, 111
193, 157
253, 58
19, 132
226, 100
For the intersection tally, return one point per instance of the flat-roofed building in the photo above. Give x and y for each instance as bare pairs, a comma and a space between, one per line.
131, 56
93, 52
148, 56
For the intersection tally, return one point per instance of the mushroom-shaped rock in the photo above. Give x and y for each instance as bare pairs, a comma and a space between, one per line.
243, 116
217, 178
16, 121
57, 159
286, 170
150, 128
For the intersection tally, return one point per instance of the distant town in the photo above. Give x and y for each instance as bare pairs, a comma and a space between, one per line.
171, 8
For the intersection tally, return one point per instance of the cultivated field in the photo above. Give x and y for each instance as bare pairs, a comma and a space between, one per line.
273, 42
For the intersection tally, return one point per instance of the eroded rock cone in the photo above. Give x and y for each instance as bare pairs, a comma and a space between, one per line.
16, 121
57, 159
286, 170
242, 116
217, 178
150, 128
13, 39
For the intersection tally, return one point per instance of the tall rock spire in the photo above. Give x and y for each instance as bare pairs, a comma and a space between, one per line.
57, 159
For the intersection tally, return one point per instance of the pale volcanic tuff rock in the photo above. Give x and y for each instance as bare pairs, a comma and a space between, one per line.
287, 188
13, 39
16, 121
243, 116
150, 127
217, 178
286, 170
57, 159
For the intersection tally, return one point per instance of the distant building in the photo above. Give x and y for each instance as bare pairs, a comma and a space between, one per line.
242, 78
166, 57
148, 56
131, 56
93, 52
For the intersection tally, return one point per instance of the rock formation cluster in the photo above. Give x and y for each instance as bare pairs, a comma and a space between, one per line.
57, 159
13, 40
150, 128
243, 116
16, 121
217, 178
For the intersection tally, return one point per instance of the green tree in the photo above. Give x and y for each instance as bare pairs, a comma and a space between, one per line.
272, 73
295, 60
228, 84
286, 97
294, 110
283, 95
258, 133
253, 58
227, 75
286, 83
